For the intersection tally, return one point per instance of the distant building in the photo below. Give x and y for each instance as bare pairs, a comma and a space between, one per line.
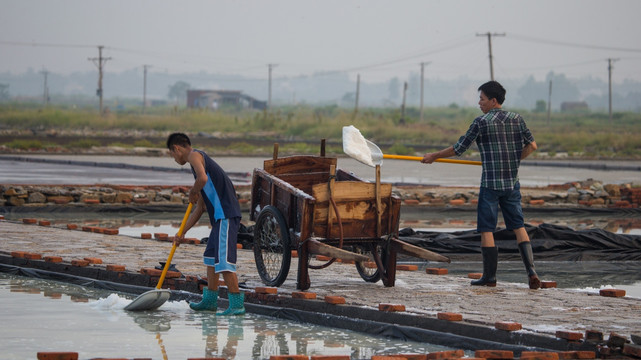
574, 106
213, 99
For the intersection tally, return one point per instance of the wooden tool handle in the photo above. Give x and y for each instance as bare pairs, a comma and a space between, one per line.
419, 158
173, 247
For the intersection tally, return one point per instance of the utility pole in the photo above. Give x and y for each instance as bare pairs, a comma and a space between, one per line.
489, 43
610, 61
144, 89
45, 93
402, 121
549, 101
422, 82
269, 99
358, 90
99, 61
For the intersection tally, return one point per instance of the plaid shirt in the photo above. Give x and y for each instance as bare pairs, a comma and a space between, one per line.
500, 136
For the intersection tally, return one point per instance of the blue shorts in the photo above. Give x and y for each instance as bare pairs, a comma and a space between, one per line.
488, 208
221, 246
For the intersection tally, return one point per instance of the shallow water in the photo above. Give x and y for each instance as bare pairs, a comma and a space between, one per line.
53, 316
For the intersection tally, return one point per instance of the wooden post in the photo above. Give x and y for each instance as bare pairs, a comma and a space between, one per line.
275, 154
322, 152
379, 207
332, 172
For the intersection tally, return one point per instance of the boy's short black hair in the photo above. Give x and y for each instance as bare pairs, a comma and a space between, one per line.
493, 90
179, 139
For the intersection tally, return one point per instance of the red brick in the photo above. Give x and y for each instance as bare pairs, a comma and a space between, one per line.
294, 253
30, 221
141, 200
53, 259
44, 223
405, 356
192, 241
87, 228
91, 201
289, 357
508, 326
158, 273
265, 290
612, 292
539, 355
494, 354
206, 358
303, 295
97, 229
411, 202
391, 307
632, 349
57, 355
569, 335
239, 246
406, 267
323, 258
72, 226
593, 335
145, 236
18, 254
110, 231
449, 316
436, 271
548, 284
450, 354
80, 263
577, 354
330, 357
163, 237
457, 202
474, 275
32, 256
336, 300
157, 235
117, 268
537, 202
94, 260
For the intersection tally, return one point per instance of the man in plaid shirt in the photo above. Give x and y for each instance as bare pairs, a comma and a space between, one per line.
503, 140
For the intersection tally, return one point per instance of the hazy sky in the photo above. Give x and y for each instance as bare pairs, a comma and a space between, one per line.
376, 39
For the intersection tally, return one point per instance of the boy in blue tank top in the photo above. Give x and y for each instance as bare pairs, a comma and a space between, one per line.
213, 192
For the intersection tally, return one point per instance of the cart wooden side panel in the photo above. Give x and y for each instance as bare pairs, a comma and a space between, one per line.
356, 204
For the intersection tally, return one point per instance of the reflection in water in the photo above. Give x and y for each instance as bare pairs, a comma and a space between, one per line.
93, 323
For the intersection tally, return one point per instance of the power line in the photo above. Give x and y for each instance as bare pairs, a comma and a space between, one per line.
564, 43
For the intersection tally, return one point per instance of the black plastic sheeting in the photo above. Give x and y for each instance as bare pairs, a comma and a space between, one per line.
551, 242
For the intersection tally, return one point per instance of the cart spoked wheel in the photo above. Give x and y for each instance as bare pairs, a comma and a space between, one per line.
272, 249
369, 271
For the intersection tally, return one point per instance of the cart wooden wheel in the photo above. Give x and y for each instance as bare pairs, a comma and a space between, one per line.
272, 248
369, 271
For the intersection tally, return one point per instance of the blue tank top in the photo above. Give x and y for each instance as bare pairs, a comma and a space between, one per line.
218, 193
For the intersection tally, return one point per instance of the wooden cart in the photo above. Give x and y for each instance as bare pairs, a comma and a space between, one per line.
303, 203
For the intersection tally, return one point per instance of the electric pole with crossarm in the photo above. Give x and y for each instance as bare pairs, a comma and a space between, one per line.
489, 44
100, 61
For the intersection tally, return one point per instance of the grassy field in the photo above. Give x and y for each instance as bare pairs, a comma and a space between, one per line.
584, 135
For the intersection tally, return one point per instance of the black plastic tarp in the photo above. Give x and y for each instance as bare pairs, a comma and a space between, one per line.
550, 241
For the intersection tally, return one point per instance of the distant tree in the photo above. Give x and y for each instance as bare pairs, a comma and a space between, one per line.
178, 91
540, 107
4, 92
394, 89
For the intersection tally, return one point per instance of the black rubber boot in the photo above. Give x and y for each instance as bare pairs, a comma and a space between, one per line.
525, 248
490, 263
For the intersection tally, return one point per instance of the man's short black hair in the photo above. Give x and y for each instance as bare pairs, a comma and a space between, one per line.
179, 139
493, 90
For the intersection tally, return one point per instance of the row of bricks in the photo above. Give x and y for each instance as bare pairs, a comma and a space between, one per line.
439, 355
91, 261
95, 229
447, 316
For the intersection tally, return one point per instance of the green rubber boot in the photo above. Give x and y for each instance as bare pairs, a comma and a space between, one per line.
236, 305
208, 303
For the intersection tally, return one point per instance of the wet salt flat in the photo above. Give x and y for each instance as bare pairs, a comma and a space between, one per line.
52, 316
